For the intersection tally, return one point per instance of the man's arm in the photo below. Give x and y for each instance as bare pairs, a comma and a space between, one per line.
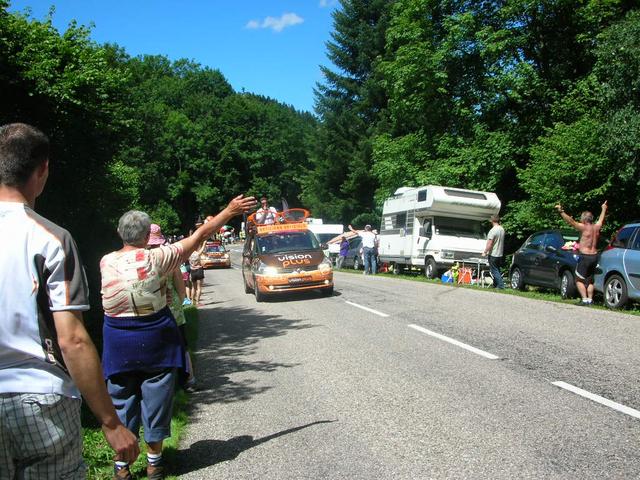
82, 360
487, 248
568, 219
603, 212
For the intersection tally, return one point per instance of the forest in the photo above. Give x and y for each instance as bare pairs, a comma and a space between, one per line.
536, 100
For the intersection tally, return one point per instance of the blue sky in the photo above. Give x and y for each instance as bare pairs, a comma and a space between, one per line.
269, 47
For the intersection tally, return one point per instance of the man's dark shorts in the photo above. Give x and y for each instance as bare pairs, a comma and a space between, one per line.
586, 267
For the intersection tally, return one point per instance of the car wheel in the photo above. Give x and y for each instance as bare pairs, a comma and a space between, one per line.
431, 268
327, 292
615, 292
256, 291
517, 279
397, 269
356, 263
567, 285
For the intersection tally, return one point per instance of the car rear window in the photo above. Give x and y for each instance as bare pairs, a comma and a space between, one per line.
623, 237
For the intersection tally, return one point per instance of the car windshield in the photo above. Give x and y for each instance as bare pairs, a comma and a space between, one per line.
460, 227
287, 242
215, 249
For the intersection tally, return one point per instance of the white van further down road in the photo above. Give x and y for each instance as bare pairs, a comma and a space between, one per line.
432, 227
325, 232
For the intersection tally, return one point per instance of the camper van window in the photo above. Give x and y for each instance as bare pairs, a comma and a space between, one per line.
460, 227
462, 193
401, 220
422, 195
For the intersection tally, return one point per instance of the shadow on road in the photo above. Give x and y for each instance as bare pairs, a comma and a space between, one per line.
227, 338
205, 453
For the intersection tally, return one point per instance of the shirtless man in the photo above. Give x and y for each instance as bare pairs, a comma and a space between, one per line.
589, 234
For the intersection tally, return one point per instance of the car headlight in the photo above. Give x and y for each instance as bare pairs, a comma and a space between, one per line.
447, 254
226, 256
325, 265
267, 270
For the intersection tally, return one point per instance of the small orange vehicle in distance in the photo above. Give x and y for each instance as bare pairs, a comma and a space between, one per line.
215, 255
284, 256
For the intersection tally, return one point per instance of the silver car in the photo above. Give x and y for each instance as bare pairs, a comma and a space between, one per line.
618, 271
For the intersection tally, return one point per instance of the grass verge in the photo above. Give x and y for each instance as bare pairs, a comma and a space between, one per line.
99, 456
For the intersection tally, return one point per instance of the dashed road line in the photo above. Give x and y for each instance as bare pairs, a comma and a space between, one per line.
597, 398
370, 310
439, 336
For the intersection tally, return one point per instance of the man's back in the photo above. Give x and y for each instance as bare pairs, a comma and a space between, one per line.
39, 272
589, 235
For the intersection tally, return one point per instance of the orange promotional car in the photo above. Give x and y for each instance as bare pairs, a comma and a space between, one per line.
284, 257
215, 255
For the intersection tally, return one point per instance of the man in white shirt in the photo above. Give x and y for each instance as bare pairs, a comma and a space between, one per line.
265, 214
46, 356
495, 250
369, 241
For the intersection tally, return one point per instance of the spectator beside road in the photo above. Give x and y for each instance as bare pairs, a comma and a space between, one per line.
368, 248
344, 251
495, 251
589, 235
176, 295
47, 359
197, 274
141, 380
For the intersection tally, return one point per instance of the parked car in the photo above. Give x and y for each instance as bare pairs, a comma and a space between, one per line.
215, 255
546, 259
618, 270
354, 256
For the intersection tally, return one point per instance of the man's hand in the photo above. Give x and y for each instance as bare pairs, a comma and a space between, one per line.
241, 204
559, 208
123, 442
604, 205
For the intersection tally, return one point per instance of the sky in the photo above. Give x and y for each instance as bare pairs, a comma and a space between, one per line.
268, 47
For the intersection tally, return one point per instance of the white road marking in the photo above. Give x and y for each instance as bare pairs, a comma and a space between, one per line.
597, 398
488, 355
371, 310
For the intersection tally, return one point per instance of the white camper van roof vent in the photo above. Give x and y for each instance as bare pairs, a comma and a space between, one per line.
465, 194
402, 190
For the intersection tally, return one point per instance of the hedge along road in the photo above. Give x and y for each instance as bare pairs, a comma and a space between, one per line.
395, 379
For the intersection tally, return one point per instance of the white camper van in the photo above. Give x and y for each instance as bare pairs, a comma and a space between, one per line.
432, 227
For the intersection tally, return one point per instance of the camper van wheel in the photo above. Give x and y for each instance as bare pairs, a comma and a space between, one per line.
430, 268
397, 269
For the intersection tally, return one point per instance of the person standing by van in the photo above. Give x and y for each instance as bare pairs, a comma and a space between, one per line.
344, 251
368, 248
495, 250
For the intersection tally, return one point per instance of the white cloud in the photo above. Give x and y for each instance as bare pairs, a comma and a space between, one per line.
276, 24
328, 3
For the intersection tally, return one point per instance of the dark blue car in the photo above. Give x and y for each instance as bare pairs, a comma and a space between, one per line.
546, 259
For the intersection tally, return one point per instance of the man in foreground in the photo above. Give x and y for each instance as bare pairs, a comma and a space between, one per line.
46, 356
589, 235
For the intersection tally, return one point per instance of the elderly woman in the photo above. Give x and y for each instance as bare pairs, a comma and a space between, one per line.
143, 350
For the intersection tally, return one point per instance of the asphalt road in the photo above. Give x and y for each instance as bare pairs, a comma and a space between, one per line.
306, 387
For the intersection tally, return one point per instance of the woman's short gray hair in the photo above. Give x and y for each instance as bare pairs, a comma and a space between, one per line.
133, 228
